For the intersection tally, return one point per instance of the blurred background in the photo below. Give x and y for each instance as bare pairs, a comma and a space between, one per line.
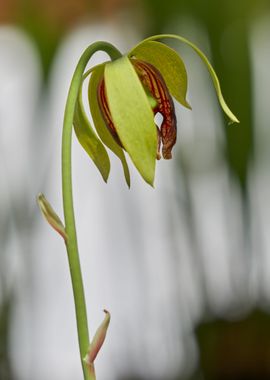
183, 268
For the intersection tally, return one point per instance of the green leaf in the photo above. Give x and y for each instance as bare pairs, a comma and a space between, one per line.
132, 115
170, 65
51, 216
99, 123
98, 339
97, 343
89, 140
214, 77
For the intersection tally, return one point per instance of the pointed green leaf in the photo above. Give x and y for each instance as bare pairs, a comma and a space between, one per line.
170, 65
98, 339
97, 343
214, 77
132, 115
51, 216
89, 140
99, 123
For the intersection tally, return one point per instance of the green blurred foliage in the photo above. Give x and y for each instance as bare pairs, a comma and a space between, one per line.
45, 35
5, 314
47, 23
236, 350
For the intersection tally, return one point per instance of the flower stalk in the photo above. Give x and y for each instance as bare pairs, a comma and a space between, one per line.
70, 227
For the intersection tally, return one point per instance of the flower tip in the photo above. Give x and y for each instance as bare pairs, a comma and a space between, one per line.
128, 183
233, 120
167, 155
151, 183
188, 105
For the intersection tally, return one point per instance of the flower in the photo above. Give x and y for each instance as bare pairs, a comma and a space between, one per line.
125, 94
161, 100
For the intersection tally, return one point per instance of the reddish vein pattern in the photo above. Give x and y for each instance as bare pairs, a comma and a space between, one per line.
103, 104
153, 82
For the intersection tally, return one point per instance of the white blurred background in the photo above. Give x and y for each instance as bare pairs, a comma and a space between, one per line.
164, 261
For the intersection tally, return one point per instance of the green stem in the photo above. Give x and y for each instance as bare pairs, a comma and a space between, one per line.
71, 245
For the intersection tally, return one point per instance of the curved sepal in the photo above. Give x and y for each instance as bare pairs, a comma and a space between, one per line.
132, 115
99, 123
170, 65
89, 140
212, 72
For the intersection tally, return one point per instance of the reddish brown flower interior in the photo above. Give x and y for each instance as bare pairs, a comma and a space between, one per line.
153, 83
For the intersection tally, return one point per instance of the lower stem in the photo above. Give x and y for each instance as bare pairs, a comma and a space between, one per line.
70, 227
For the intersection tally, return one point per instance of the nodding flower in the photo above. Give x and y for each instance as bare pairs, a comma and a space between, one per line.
125, 95
155, 87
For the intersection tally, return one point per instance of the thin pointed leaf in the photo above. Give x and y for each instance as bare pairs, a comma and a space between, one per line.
51, 217
89, 140
212, 72
99, 123
98, 340
170, 65
132, 115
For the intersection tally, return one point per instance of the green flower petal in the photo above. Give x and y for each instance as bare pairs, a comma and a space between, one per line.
100, 126
215, 80
132, 115
170, 65
89, 140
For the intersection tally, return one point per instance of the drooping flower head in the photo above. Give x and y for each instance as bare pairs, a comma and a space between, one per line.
160, 100
125, 95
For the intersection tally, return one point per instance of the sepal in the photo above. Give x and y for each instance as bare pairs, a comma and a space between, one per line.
132, 115
169, 64
89, 140
223, 104
99, 123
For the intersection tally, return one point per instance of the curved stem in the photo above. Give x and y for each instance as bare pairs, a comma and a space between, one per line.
71, 244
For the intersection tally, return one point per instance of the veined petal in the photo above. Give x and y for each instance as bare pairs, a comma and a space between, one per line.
132, 115
170, 65
103, 104
154, 83
89, 140
212, 72
99, 123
